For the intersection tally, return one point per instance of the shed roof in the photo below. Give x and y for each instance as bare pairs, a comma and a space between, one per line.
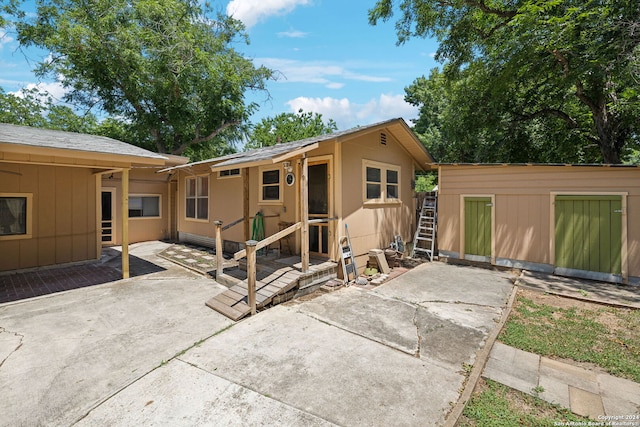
283, 151
60, 140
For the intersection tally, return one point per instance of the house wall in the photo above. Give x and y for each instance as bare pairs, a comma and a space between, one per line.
523, 222
373, 225
63, 215
142, 181
225, 204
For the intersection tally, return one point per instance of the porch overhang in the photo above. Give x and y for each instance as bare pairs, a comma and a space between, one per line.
269, 157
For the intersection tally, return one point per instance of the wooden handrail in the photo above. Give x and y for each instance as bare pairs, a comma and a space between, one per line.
269, 240
231, 224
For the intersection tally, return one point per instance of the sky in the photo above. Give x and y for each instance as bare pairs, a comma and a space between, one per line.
328, 60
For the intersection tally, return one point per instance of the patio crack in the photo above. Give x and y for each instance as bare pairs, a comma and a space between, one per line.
415, 323
16, 334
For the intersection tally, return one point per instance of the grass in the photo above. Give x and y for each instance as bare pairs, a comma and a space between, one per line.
496, 405
605, 336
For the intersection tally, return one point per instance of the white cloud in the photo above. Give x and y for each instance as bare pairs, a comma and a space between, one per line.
348, 114
250, 12
317, 72
5, 39
54, 89
293, 34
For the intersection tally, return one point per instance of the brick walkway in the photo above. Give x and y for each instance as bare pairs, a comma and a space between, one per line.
28, 284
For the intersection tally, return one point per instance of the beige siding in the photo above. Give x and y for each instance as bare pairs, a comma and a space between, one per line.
523, 210
63, 216
373, 226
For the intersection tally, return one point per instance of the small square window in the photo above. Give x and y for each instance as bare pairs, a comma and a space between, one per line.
270, 186
15, 215
382, 182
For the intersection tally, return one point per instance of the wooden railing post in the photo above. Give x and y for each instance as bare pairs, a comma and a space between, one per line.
251, 273
219, 257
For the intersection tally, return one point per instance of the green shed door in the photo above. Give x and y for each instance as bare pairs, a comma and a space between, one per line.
588, 233
477, 226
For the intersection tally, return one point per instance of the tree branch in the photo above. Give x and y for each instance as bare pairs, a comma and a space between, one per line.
198, 139
573, 124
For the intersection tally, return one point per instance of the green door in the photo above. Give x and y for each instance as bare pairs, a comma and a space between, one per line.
477, 226
588, 233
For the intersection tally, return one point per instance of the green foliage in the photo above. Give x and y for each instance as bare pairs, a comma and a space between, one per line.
578, 334
168, 68
36, 109
526, 81
287, 127
426, 182
497, 406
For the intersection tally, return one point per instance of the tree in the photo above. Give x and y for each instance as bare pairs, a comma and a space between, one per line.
559, 63
287, 127
165, 67
36, 109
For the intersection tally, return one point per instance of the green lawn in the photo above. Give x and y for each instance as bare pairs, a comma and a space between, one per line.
496, 405
605, 336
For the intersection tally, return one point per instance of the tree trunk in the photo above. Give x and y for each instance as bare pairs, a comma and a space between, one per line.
611, 134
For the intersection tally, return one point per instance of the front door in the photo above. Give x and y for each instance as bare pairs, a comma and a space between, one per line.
107, 219
319, 208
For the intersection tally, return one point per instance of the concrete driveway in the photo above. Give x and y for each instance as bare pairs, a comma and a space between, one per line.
124, 353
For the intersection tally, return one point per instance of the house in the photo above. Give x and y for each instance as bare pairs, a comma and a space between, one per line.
573, 220
362, 177
61, 194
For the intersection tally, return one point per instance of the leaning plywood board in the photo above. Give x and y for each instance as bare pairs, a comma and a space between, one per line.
380, 259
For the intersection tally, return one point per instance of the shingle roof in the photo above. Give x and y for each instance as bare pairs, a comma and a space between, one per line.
275, 151
46, 138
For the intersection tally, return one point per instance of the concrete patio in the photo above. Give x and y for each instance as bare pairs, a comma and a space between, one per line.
147, 351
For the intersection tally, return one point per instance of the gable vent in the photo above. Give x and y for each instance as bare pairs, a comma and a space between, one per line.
383, 138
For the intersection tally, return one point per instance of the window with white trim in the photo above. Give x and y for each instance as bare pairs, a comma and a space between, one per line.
15, 215
144, 206
197, 197
271, 185
381, 182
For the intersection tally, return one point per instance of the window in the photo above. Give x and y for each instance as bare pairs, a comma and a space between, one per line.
270, 186
229, 173
197, 197
144, 206
15, 216
381, 182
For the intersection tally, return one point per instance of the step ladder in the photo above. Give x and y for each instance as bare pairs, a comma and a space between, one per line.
349, 266
425, 237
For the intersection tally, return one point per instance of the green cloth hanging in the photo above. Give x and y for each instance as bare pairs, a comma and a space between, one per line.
257, 230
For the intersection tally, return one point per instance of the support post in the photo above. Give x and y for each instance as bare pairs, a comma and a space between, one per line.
245, 203
304, 214
125, 223
219, 257
251, 274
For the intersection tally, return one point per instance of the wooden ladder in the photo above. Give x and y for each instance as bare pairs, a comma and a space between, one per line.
425, 237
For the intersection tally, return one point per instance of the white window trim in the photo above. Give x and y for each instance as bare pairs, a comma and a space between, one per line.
29, 228
159, 196
238, 175
384, 167
261, 170
196, 198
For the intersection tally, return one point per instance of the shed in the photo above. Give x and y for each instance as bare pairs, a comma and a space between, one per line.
572, 220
